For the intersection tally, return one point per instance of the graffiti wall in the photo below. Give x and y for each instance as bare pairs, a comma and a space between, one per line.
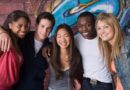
67, 11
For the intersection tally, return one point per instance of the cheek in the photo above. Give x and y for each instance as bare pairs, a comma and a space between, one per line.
111, 35
98, 32
80, 29
69, 40
57, 41
48, 32
110, 31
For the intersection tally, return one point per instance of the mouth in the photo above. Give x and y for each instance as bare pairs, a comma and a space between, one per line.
85, 34
22, 34
63, 43
103, 35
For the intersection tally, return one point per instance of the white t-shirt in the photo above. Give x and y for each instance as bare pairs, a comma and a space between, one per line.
93, 64
38, 45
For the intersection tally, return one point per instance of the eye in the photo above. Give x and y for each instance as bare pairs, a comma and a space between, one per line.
19, 26
58, 36
66, 35
88, 25
26, 26
98, 28
42, 26
106, 26
49, 29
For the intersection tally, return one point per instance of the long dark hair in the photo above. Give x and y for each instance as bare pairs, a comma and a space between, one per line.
14, 16
76, 70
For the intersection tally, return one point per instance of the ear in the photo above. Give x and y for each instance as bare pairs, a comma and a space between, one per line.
10, 25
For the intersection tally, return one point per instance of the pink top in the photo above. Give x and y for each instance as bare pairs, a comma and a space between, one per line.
10, 63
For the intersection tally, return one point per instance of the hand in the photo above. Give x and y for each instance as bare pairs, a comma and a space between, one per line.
46, 79
118, 84
77, 85
5, 42
46, 52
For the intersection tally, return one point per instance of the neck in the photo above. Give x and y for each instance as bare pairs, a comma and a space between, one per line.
37, 37
91, 37
64, 57
63, 52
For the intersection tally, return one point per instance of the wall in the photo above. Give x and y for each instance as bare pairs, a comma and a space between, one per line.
66, 11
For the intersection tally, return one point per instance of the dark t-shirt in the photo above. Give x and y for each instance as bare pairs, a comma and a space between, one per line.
34, 65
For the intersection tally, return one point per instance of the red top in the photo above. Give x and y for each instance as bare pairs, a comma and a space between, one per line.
10, 63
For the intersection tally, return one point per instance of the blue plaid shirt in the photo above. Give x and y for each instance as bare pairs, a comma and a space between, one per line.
122, 63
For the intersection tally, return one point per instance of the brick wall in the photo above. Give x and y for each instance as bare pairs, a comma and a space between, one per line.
7, 6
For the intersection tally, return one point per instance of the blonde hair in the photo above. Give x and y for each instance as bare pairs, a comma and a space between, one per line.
110, 52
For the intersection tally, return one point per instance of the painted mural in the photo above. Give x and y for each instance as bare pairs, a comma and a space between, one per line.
67, 11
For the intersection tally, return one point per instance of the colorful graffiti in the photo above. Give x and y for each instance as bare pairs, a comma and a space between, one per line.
67, 11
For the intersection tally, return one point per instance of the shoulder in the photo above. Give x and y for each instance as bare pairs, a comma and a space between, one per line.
30, 33
127, 42
46, 42
77, 35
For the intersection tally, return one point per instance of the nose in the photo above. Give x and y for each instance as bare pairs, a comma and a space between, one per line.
62, 39
24, 29
44, 30
101, 31
83, 28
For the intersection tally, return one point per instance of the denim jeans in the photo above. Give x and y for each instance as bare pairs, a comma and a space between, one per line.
99, 86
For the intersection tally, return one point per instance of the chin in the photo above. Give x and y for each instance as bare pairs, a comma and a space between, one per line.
21, 36
86, 36
105, 40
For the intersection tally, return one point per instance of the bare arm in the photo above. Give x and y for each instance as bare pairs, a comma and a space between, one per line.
5, 40
116, 78
118, 84
77, 85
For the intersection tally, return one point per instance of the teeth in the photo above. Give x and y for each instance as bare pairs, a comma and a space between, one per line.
63, 43
85, 33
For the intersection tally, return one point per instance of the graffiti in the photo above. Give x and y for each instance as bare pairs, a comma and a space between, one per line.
67, 11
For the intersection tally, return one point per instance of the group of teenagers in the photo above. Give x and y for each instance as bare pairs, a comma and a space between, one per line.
96, 58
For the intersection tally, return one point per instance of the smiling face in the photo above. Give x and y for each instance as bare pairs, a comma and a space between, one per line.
19, 27
63, 38
43, 29
86, 27
105, 31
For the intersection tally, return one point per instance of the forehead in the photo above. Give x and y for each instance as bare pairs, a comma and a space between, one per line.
86, 19
45, 22
102, 22
21, 20
62, 30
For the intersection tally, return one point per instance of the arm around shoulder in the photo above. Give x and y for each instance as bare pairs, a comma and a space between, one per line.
5, 40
